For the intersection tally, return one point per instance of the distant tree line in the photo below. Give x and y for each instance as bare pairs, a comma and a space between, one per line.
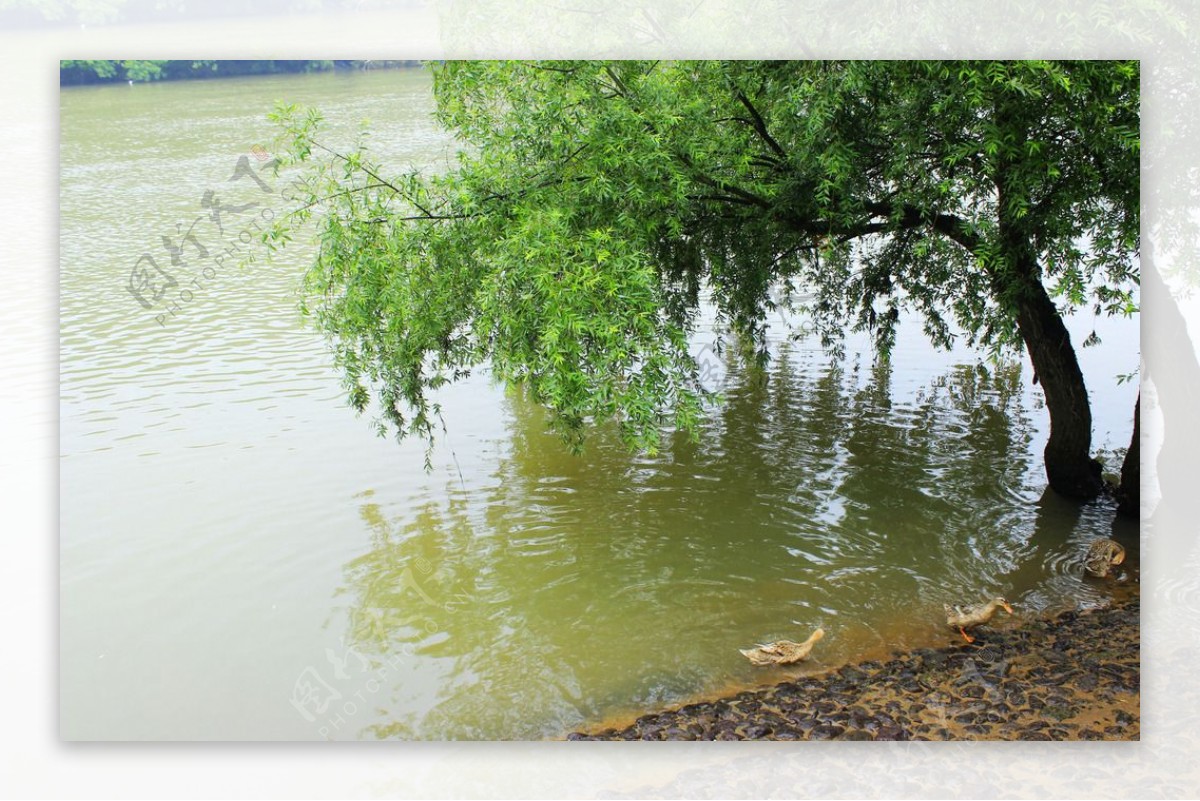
72, 73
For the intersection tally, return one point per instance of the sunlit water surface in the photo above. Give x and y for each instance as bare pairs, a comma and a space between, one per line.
242, 558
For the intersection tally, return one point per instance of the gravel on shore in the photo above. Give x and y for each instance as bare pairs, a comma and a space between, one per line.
1072, 677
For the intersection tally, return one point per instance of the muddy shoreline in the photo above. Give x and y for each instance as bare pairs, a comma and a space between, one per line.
1075, 676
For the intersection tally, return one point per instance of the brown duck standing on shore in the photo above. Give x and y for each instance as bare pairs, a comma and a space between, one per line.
782, 652
968, 617
1102, 557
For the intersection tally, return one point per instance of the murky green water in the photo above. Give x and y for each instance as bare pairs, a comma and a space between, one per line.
241, 558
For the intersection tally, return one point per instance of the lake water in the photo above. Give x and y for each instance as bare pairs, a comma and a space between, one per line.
242, 558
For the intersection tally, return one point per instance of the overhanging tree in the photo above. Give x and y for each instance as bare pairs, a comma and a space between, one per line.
593, 203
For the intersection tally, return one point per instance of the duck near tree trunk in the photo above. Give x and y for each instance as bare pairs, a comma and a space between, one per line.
1103, 556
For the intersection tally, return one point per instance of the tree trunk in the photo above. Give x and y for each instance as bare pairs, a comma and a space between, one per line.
1070, 468
1130, 493
1017, 281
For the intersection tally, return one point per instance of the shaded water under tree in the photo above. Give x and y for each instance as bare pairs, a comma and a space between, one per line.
578, 588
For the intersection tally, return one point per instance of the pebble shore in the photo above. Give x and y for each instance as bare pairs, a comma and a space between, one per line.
1072, 677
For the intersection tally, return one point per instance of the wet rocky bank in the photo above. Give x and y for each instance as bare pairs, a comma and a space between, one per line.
1071, 677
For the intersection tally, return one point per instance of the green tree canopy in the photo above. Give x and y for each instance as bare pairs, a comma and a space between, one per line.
594, 204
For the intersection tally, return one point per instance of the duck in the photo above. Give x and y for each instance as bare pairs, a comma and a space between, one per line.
1102, 557
970, 616
782, 652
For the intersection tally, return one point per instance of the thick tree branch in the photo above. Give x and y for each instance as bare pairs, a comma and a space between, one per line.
950, 226
885, 217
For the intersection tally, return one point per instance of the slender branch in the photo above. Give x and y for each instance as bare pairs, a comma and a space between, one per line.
769, 162
717, 184
350, 191
622, 89
722, 186
792, 251
760, 126
433, 217
378, 178
540, 185
724, 199
363, 167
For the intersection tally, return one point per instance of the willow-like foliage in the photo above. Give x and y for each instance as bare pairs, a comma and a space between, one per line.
593, 205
